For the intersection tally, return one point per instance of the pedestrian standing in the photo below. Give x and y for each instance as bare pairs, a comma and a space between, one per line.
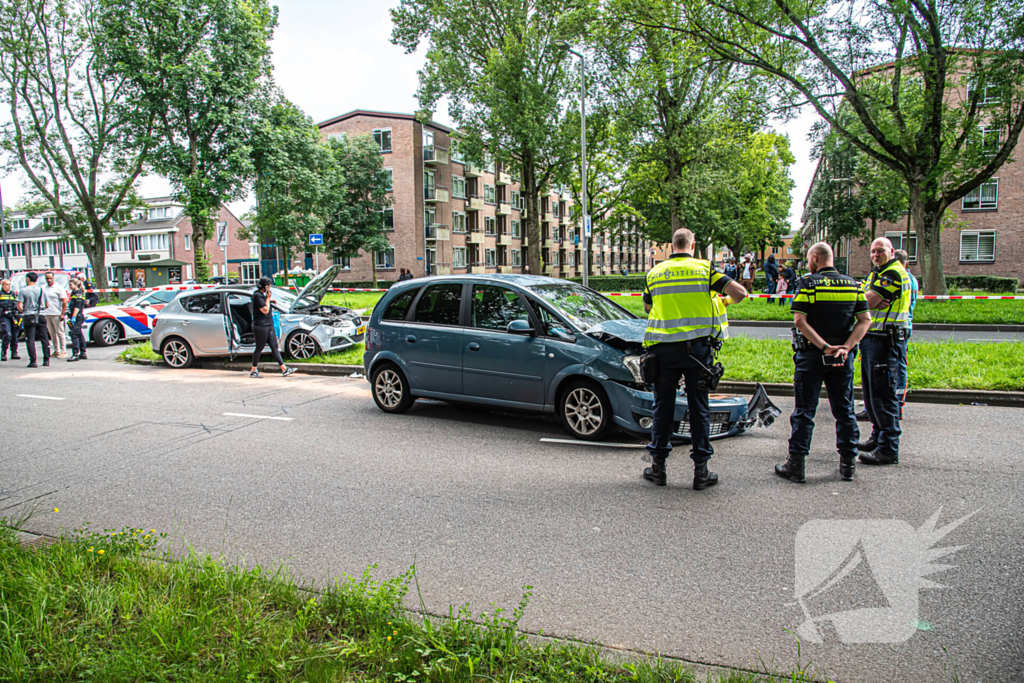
681, 325
76, 316
883, 350
902, 382
747, 270
526, 268
92, 299
771, 276
405, 275
831, 316
9, 321
788, 279
31, 303
55, 313
263, 328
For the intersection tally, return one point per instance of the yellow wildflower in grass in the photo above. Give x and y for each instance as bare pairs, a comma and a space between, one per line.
56, 509
152, 531
90, 550
389, 637
394, 633
100, 552
146, 536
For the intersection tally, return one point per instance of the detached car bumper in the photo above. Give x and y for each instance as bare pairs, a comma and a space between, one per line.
633, 410
338, 339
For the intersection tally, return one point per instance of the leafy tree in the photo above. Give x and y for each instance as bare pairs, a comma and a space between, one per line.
295, 173
359, 197
504, 80
68, 128
200, 69
936, 89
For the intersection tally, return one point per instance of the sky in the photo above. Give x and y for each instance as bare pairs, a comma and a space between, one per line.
333, 57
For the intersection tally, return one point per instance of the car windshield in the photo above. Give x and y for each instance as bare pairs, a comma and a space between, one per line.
134, 301
583, 307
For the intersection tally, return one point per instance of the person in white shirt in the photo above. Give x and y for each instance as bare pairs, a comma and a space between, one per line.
56, 313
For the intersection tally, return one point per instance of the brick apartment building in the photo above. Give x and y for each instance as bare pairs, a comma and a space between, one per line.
451, 216
990, 238
159, 233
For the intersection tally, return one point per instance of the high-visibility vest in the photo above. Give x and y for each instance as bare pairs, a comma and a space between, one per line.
898, 312
723, 328
681, 302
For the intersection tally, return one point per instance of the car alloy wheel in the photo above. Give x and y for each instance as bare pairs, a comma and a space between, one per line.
585, 411
390, 389
108, 333
177, 354
302, 346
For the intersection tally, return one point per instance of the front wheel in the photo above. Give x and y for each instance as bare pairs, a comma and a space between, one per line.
177, 353
301, 346
106, 333
584, 410
390, 389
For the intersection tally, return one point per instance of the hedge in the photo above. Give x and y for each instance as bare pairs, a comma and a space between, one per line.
363, 284
635, 283
988, 283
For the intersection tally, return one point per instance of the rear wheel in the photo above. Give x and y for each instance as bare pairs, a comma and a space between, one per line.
390, 389
177, 353
584, 410
106, 333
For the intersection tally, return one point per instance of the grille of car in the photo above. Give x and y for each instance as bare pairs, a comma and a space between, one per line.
720, 424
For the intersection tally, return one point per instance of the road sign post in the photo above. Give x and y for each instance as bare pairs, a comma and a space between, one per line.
315, 240
222, 240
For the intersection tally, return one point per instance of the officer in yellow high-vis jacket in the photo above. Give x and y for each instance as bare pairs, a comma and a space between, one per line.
883, 349
683, 318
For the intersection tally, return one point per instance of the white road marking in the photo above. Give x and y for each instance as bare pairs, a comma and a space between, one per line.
259, 417
45, 398
576, 442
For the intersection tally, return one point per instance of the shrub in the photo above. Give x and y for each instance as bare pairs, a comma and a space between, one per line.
363, 284
989, 283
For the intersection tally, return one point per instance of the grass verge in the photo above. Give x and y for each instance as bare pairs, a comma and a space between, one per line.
137, 351
97, 607
933, 365
350, 356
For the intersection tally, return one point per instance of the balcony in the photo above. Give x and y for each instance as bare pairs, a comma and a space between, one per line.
523, 213
475, 202
548, 243
504, 208
549, 270
435, 155
435, 194
501, 178
506, 270
566, 220
504, 239
475, 237
443, 270
548, 217
477, 270
438, 232
472, 170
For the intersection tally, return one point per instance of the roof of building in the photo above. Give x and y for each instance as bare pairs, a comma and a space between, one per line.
384, 115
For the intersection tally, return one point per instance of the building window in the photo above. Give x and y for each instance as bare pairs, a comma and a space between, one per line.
489, 165
391, 178
385, 259
491, 256
428, 140
554, 258
458, 222
51, 222
188, 242
515, 199
459, 257
458, 187
159, 213
382, 136
984, 197
978, 246
456, 153
517, 257
899, 241
19, 224
344, 261
337, 136
489, 193
490, 226
572, 259
990, 96
16, 249
775, 250
515, 228
991, 139
389, 219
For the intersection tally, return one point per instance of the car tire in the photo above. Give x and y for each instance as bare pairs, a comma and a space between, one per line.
584, 410
301, 346
390, 389
106, 332
177, 353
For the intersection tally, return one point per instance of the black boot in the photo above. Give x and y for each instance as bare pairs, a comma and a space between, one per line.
869, 445
702, 478
792, 469
3, 356
847, 466
876, 458
656, 472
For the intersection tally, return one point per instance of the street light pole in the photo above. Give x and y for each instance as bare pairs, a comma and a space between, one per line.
584, 238
3, 234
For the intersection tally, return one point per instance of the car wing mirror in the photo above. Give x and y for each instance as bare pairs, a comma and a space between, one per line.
521, 327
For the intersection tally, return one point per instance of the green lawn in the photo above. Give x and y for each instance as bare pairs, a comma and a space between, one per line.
350, 356
108, 607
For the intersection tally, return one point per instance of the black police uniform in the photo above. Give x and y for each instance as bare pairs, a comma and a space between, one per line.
76, 309
831, 302
9, 327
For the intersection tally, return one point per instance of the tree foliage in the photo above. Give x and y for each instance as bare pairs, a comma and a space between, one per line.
69, 128
200, 69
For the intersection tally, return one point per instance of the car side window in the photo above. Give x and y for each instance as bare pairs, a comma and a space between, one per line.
203, 303
495, 307
399, 306
550, 322
440, 304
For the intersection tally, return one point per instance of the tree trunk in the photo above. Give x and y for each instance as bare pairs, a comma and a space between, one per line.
373, 269
200, 233
874, 226
529, 187
927, 221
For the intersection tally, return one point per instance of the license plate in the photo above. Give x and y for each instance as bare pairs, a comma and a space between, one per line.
360, 330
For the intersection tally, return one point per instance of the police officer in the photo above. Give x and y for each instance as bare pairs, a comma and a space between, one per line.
884, 347
682, 322
9, 327
831, 316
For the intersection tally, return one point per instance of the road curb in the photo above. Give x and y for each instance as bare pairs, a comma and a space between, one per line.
924, 327
269, 368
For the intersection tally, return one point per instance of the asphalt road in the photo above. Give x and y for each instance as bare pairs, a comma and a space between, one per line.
483, 507
762, 332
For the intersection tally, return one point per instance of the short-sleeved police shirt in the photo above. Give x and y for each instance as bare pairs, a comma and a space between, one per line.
718, 280
831, 302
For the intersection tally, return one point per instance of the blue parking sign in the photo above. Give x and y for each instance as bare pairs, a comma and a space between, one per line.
316, 239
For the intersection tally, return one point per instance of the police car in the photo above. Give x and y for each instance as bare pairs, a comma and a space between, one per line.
133, 319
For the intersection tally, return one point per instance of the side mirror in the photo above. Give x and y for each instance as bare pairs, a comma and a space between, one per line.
520, 327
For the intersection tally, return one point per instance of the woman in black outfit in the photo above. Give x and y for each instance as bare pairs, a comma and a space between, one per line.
263, 328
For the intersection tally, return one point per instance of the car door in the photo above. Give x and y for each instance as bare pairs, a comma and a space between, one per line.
498, 365
432, 340
203, 323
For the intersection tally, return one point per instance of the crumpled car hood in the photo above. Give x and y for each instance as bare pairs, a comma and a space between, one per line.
621, 334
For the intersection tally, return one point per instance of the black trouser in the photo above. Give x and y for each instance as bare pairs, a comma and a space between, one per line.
35, 331
8, 336
265, 335
879, 372
674, 361
77, 338
808, 376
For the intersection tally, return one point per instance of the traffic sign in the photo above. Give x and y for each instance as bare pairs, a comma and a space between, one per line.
222, 233
586, 225
316, 239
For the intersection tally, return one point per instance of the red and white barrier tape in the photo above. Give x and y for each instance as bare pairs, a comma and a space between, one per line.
151, 289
